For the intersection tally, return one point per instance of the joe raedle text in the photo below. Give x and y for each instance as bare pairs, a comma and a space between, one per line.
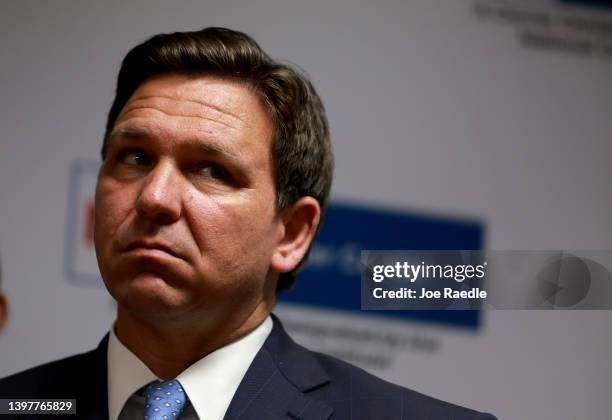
423, 293
424, 285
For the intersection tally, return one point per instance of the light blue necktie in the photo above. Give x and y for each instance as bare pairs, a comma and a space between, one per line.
164, 400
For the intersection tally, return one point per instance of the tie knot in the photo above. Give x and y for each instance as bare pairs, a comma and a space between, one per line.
164, 400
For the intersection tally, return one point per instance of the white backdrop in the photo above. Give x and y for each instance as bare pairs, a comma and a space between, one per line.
431, 109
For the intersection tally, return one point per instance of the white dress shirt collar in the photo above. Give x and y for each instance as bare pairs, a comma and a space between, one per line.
210, 383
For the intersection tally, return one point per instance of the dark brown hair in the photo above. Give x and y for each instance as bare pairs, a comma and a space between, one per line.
301, 148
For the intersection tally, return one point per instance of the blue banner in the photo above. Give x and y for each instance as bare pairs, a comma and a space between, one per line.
332, 277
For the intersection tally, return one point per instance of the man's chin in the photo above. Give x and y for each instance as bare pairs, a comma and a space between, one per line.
150, 294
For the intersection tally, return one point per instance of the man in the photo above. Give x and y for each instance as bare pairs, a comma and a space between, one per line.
216, 169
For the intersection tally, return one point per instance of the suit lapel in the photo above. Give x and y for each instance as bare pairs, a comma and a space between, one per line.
277, 383
92, 397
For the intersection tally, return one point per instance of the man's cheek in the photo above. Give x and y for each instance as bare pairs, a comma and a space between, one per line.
212, 222
112, 204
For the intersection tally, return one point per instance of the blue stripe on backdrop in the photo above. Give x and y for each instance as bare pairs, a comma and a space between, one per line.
332, 277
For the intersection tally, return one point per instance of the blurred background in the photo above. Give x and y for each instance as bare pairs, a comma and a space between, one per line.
456, 124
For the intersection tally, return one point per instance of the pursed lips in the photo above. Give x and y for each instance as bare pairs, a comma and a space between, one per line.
146, 245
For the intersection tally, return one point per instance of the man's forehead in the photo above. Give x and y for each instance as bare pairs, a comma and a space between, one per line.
214, 115
226, 101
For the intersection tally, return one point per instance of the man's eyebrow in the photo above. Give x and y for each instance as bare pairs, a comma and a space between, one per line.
136, 133
129, 132
215, 150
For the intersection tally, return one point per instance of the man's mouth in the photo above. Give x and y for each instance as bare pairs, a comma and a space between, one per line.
151, 248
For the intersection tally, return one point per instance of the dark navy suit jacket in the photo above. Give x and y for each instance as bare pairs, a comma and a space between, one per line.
285, 381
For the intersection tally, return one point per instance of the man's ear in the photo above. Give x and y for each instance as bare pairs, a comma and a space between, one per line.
299, 222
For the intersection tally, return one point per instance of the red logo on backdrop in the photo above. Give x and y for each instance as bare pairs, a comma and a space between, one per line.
80, 264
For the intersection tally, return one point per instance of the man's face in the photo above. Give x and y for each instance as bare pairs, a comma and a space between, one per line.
185, 200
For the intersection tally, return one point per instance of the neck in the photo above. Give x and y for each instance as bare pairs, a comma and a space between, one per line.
169, 346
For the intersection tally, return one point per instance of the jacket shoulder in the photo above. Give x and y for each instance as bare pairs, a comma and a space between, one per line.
373, 397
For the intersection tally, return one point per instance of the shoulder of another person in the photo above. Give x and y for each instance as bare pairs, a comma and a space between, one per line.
55, 379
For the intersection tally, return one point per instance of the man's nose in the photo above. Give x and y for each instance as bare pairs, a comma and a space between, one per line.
160, 197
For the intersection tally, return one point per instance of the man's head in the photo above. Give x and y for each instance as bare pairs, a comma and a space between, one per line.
301, 148
217, 163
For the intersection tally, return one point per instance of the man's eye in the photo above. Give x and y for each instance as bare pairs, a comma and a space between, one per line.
214, 171
134, 157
